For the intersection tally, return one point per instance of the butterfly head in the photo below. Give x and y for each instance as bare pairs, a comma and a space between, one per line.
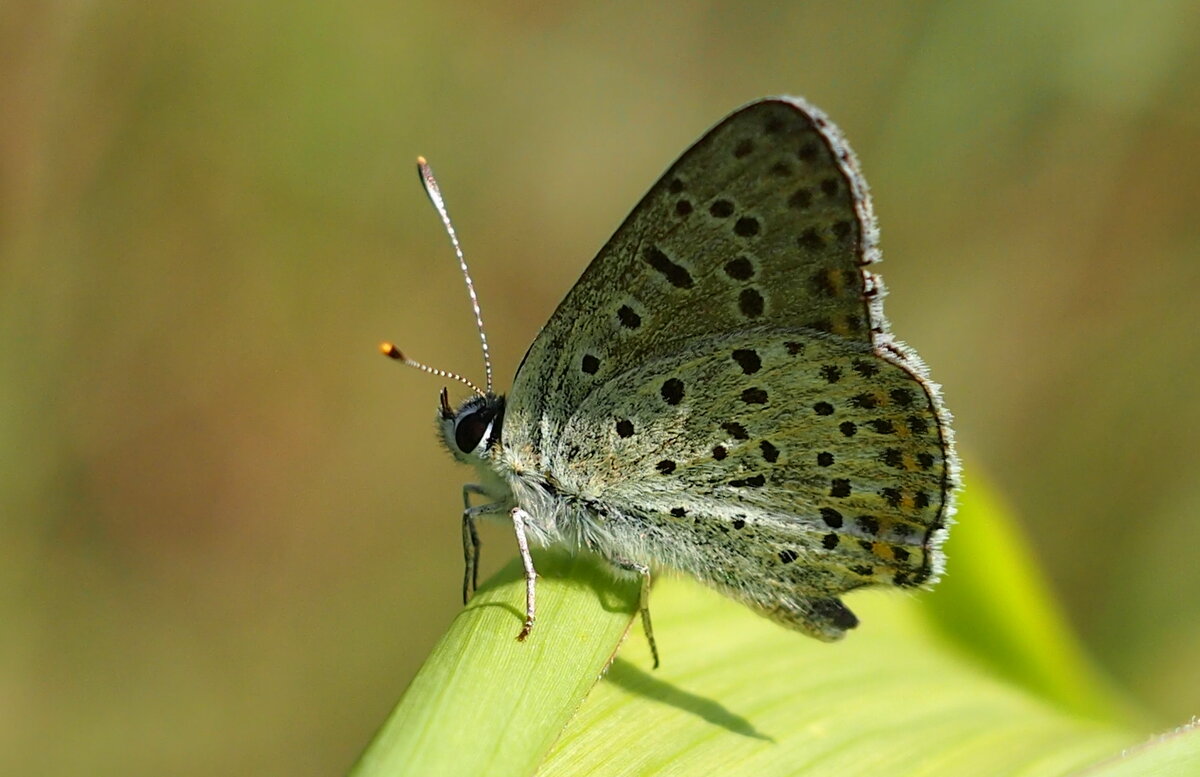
473, 430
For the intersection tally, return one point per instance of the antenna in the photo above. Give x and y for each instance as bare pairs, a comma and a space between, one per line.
435, 196
392, 352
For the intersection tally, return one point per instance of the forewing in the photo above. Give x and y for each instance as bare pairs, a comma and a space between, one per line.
764, 221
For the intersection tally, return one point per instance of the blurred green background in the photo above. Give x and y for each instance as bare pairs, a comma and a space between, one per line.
228, 535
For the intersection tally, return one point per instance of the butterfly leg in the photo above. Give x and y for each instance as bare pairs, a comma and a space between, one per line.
470, 555
643, 602
471, 543
519, 519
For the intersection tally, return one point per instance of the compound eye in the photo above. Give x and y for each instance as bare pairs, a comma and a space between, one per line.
469, 430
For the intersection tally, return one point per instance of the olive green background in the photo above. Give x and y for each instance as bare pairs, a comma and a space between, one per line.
228, 535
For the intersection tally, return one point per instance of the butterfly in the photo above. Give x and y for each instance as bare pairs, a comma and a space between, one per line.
719, 395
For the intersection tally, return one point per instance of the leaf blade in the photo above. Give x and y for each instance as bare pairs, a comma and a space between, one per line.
739, 695
484, 703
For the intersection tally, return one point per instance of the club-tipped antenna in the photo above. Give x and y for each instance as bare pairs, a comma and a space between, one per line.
435, 196
392, 352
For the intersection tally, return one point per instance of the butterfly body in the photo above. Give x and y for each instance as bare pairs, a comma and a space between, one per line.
719, 395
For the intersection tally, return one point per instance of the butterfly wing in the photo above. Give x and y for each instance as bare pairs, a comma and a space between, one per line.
707, 369
781, 466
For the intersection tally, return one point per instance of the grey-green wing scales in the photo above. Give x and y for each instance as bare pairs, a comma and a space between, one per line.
721, 379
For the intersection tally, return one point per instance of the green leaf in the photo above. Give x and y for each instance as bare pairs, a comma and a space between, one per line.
1174, 753
994, 604
980, 677
484, 703
738, 695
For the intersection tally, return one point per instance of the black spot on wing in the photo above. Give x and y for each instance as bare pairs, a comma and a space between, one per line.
676, 274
